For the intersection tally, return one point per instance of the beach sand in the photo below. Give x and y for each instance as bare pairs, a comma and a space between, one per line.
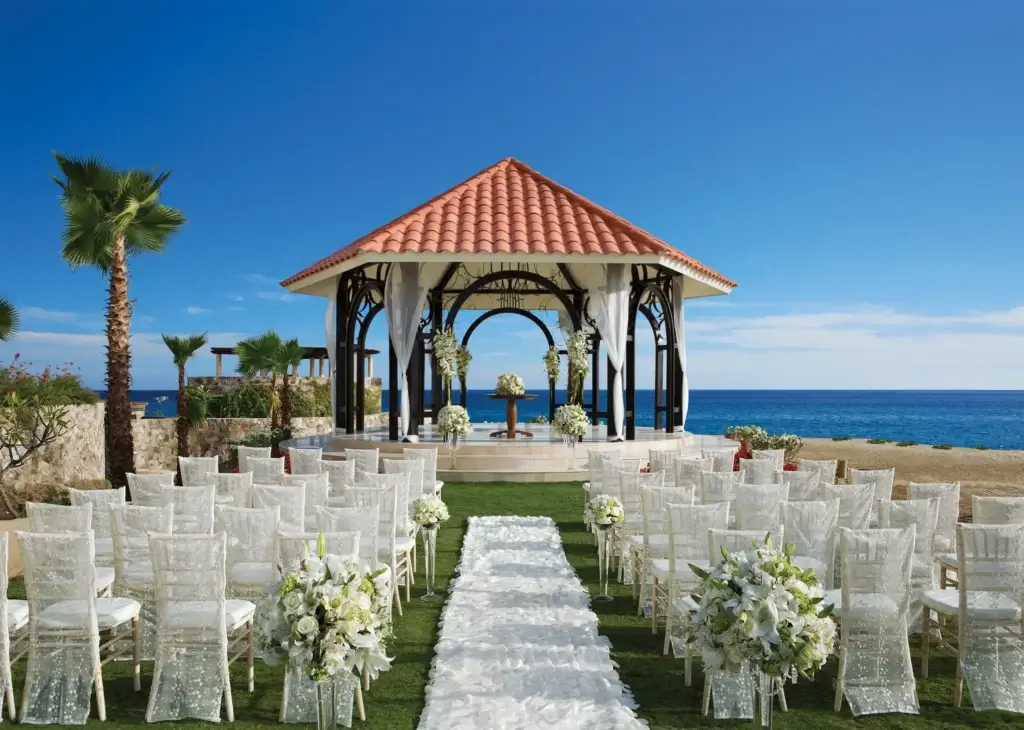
992, 472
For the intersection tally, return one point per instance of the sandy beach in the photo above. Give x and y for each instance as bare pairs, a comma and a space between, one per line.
979, 472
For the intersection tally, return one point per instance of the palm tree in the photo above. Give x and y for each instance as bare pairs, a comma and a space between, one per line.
109, 215
290, 355
258, 355
183, 348
9, 320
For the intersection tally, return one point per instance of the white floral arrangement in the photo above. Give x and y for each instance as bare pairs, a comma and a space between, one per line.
576, 348
758, 610
603, 511
453, 421
571, 420
326, 615
463, 358
510, 384
429, 511
552, 363
446, 353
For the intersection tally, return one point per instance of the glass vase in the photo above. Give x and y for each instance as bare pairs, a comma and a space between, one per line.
765, 700
570, 443
430, 562
454, 441
325, 717
604, 540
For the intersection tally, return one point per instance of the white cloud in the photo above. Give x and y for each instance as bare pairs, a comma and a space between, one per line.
236, 297
277, 296
49, 315
236, 309
197, 310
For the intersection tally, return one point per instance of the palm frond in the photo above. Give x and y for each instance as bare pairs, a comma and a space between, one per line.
152, 227
183, 348
10, 320
259, 353
198, 410
86, 174
291, 353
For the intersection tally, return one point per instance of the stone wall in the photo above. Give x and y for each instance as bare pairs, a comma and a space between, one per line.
77, 456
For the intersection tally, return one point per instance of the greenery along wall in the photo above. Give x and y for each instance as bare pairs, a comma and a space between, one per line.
310, 398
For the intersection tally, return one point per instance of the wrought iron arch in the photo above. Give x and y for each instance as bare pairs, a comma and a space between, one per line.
509, 310
484, 281
664, 346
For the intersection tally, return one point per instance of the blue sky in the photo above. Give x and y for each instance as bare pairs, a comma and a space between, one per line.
858, 167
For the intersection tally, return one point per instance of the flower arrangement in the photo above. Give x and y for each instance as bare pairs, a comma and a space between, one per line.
429, 511
757, 438
463, 359
552, 364
446, 354
571, 420
510, 384
328, 616
603, 511
758, 610
453, 421
577, 347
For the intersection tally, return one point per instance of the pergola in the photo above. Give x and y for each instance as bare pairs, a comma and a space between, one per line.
507, 241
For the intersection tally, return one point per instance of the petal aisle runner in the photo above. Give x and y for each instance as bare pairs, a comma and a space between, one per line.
518, 646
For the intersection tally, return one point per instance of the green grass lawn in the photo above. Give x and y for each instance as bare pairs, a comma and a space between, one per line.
396, 699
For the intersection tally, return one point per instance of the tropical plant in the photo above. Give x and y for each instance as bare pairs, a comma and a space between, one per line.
182, 349
288, 356
258, 355
26, 426
9, 320
110, 215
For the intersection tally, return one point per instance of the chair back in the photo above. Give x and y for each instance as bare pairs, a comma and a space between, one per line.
718, 486
803, 485
812, 528
365, 460
237, 487
293, 547
923, 514
364, 520
722, 460
630, 487
877, 564
266, 470
412, 467
57, 518
826, 468
596, 465
757, 507
193, 508
305, 461
429, 458
856, 503
776, 456
991, 560
759, 471
247, 452
131, 527
663, 460
291, 501
251, 533
197, 471
101, 501
688, 526
733, 541
997, 510
881, 478
948, 494
654, 503
686, 471
58, 567
190, 578
145, 489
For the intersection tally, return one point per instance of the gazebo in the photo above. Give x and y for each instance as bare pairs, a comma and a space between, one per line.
507, 241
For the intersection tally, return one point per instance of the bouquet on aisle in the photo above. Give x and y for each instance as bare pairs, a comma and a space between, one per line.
429, 511
327, 615
603, 511
510, 384
758, 609
453, 421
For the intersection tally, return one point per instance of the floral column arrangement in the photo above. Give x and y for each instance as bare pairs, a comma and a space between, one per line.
571, 421
453, 422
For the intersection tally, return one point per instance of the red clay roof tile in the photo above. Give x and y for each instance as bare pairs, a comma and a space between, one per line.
509, 208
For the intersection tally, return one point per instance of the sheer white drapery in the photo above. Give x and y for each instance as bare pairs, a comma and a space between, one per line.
331, 334
405, 294
679, 317
609, 305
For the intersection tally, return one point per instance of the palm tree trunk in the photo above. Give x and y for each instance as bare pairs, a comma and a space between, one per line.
286, 402
273, 399
182, 423
117, 418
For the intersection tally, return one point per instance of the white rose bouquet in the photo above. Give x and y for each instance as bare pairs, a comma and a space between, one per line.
571, 420
757, 609
603, 511
453, 421
446, 353
429, 511
576, 346
552, 364
510, 384
326, 615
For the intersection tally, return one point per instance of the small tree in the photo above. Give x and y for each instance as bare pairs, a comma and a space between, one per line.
26, 426
261, 354
9, 320
290, 354
182, 349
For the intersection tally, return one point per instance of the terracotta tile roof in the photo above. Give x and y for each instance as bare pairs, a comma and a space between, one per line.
508, 208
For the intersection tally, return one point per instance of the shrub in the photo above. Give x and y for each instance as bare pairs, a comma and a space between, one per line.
58, 386
907, 443
944, 447
981, 448
373, 397
879, 441
539, 419
841, 438
271, 437
761, 440
313, 400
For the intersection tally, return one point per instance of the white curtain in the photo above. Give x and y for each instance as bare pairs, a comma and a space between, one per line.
565, 324
405, 295
331, 334
679, 317
609, 305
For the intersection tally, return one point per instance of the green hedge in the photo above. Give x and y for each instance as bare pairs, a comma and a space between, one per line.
58, 386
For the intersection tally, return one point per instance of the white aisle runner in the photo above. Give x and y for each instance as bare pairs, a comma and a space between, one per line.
518, 646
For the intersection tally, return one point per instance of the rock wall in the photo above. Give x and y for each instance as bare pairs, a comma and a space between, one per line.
76, 456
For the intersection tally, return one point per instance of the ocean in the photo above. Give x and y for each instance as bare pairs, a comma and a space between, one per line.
963, 418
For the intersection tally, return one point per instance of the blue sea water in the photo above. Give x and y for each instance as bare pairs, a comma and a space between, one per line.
962, 418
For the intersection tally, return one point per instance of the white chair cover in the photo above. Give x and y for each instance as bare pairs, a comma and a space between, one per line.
803, 485
722, 460
826, 468
429, 456
290, 501
923, 514
364, 520
293, 547
874, 658
776, 456
193, 508
687, 470
101, 500
412, 467
247, 452
341, 474
759, 471
266, 470
997, 510
663, 460
757, 508
234, 489
251, 549
366, 460
145, 489
811, 527
716, 487
194, 618
305, 461
56, 518
881, 478
196, 470
856, 503
948, 495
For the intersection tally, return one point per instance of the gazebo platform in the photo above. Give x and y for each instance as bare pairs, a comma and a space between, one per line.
543, 458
